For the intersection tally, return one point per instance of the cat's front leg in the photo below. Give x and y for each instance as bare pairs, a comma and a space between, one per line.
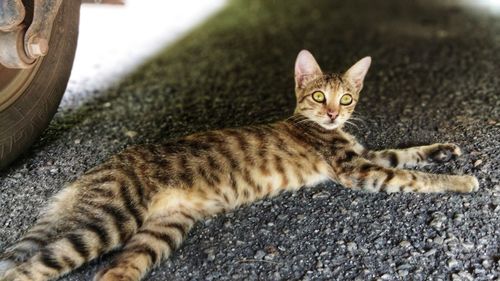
417, 156
360, 173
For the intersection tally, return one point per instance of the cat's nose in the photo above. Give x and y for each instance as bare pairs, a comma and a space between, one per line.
332, 114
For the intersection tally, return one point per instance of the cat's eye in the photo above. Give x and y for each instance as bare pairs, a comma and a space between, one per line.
318, 96
346, 99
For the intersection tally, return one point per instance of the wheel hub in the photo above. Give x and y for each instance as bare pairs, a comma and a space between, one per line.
22, 44
12, 53
13, 82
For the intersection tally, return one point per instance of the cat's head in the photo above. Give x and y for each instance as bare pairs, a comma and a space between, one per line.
327, 99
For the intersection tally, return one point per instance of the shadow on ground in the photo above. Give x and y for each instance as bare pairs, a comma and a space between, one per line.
434, 78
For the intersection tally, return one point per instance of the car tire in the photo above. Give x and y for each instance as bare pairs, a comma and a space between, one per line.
34, 100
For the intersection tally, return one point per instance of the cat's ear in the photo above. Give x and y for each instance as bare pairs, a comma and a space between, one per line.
306, 68
356, 74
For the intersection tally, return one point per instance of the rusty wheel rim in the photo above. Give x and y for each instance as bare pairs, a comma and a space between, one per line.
13, 82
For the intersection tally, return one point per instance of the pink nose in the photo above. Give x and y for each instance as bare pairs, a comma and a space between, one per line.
332, 114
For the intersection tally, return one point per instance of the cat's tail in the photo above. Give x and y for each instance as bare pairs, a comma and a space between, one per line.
155, 240
76, 228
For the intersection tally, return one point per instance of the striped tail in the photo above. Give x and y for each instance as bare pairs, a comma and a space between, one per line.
158, 237
76, 228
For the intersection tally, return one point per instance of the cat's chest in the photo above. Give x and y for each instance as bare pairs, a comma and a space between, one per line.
338, 144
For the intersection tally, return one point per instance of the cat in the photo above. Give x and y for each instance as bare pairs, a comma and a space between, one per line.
144, 200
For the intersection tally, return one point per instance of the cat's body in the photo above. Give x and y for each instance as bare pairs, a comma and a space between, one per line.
146, 198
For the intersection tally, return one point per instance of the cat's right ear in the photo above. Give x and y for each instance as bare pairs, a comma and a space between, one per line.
306, 68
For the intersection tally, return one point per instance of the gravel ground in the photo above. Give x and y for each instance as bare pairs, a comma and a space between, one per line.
435, 78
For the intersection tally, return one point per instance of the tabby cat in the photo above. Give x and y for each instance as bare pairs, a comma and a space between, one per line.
145, 199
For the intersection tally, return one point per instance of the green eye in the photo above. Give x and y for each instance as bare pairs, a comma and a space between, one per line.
318, 96
346, 99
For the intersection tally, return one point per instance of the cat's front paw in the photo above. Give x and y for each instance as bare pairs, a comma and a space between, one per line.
465, 184
443, 152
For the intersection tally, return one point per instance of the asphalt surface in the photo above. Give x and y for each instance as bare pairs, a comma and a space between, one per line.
435, 78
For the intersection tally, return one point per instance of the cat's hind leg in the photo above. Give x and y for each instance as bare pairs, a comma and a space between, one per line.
170, 220
417, 156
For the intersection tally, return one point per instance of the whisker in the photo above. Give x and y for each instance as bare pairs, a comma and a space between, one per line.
357, 119
295, 118
354, 125
302, 121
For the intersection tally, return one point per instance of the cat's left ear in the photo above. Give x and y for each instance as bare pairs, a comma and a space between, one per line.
356, 74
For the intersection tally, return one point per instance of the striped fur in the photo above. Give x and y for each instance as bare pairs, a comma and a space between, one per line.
145, 200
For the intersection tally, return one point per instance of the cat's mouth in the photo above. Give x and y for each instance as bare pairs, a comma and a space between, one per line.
330, 124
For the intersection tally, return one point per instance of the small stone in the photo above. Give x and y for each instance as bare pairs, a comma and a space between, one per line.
77, 141
131, 134
465, 276
404, 266
478, 162
269, 257
282, 217
403, 273
452, 239
351, 246
53, 170
486, 264
328, 230
404, 244
386, 277
480, 271
271, 249
259, 255
210, 254
211, 257
468, 246
438, 240
320, 195
437, 221
107, 104
458, 217
453, 263
430, 252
